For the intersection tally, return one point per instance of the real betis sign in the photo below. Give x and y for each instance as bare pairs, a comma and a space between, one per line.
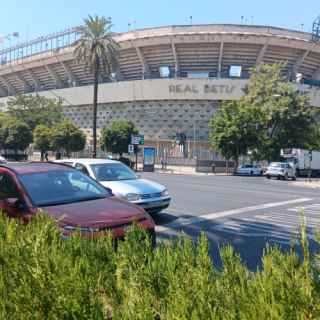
207, 88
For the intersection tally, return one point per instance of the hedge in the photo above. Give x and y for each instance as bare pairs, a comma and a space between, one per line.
43, 276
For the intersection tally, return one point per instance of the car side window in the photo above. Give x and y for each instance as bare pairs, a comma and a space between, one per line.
81, 183
82, 168
8, 187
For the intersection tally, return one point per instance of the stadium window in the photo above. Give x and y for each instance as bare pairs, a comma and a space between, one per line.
235, 71
164, 72
198, 74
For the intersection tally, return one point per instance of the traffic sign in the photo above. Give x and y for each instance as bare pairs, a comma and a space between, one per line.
137, 139
130, 148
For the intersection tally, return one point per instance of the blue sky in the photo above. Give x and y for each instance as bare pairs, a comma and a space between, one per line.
32, 18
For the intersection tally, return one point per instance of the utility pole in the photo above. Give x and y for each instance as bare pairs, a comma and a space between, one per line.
310, 167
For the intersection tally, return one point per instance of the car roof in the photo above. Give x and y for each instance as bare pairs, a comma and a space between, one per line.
88, 161
33, 167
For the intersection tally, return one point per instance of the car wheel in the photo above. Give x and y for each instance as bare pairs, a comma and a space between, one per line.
251, 173
268, 177
278, 177
294, 178
285, 177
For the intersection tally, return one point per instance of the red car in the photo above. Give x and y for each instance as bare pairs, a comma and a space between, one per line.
75, 200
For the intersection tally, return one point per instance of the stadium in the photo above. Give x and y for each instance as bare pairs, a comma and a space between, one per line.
171, 79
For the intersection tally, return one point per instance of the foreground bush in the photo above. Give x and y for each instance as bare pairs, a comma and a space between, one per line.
45, 277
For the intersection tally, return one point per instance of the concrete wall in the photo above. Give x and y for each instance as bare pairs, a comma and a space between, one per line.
159, 90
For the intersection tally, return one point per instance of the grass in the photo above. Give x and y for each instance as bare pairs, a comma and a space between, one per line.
45, 277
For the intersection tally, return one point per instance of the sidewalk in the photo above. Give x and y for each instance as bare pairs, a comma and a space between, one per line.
314, 183
184, 170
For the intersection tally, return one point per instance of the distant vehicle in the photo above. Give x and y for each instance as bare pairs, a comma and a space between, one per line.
250, 169
124, 183
281, 170
76, 201
3, 159
303, 161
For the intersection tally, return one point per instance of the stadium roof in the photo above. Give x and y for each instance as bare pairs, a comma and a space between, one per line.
48, 63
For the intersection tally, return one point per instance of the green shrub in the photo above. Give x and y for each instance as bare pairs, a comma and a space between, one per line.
45, 277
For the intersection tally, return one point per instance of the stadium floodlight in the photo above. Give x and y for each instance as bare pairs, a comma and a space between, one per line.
316, 29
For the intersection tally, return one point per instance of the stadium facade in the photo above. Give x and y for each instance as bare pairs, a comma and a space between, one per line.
170, 79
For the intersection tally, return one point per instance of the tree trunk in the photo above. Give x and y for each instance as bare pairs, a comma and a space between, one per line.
95, 108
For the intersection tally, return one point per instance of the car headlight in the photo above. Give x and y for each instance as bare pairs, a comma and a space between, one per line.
80, 229
164, 193
132, 197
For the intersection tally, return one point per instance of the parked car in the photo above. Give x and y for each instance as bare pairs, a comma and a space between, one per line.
124, 183
250, 169
281, 170
3, 159
72, 198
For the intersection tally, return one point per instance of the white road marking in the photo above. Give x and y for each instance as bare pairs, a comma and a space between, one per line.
238, 230
287, 220
181, 222
313, 209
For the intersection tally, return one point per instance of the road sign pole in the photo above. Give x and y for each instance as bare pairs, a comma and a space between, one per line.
136, 152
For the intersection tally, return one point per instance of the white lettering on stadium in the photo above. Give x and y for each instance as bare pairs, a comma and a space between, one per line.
207, 88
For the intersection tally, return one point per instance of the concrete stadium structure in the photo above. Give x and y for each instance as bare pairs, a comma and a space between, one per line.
170, 79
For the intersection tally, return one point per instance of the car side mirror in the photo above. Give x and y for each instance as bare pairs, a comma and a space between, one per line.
109, 190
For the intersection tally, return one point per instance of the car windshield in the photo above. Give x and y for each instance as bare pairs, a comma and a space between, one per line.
61, 187
112, 172
277, 165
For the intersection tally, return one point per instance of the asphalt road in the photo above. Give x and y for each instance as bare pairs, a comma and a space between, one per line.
247, 212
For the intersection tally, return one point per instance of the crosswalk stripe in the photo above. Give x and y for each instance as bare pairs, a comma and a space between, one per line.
260, 227
284, 221
276, 223
291, 220
180, 222
237, 231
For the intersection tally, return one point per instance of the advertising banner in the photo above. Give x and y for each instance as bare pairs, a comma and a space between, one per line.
149, 156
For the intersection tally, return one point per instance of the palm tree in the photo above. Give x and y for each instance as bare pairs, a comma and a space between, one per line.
97, 50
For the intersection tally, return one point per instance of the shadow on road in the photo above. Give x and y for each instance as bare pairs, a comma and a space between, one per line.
163, 218
249, 240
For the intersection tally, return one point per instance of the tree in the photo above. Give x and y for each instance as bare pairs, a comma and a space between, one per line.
233, 130
270, 116
99, 52
42, 138
66, 136
14, 134
35, 110
288, 119
116, 137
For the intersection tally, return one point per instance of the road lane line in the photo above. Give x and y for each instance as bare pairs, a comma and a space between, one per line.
180, 222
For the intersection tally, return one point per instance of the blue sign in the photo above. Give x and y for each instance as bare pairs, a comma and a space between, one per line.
149, 154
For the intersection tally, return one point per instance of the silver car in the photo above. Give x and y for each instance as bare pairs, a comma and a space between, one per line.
124, 183
281, 170
250, 169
